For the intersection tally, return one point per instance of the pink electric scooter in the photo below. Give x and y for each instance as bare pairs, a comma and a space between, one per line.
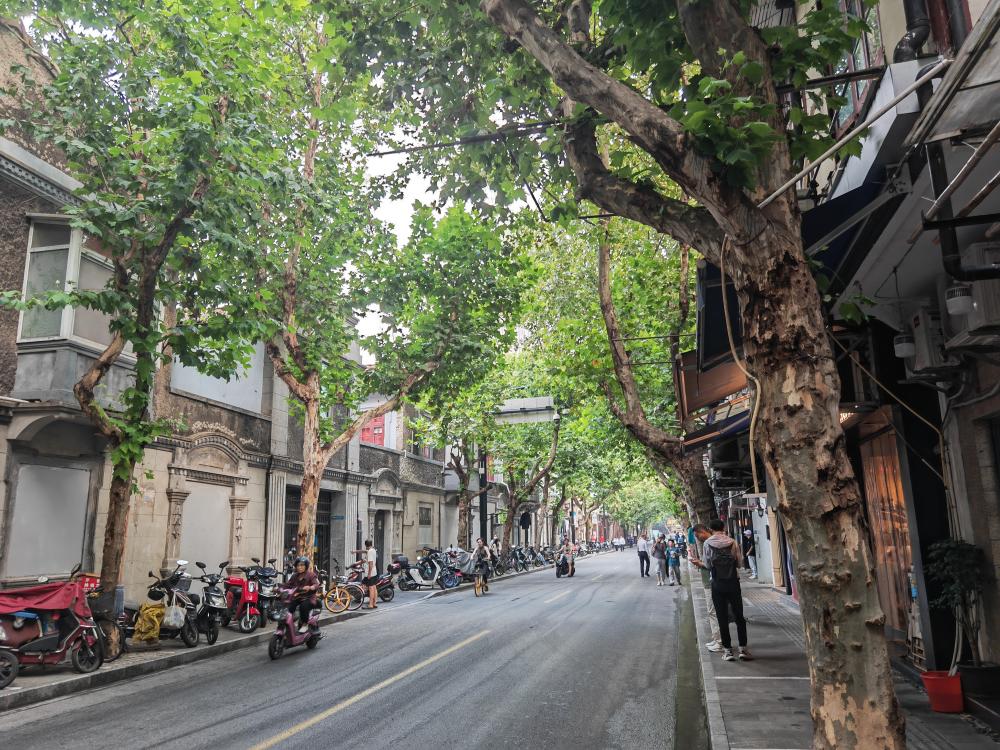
287, 634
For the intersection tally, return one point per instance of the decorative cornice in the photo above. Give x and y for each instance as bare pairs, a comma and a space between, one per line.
34, 183
208, 477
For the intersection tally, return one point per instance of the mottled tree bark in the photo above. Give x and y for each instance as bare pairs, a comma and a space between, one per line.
853, 704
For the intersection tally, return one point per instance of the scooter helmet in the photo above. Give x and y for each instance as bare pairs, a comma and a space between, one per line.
302, 560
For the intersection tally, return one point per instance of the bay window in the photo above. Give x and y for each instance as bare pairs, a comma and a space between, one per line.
60, 258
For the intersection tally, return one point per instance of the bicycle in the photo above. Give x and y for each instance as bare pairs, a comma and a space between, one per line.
344, 595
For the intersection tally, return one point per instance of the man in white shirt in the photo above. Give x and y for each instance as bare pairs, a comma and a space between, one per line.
371, 572
642, 546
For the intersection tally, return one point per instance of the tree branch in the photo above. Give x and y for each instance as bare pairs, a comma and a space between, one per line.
652, 129
546, 468
83, 389
689, 225
632, 416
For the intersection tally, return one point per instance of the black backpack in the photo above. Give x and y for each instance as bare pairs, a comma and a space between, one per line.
724, 564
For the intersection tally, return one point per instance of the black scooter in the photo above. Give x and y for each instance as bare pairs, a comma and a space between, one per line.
172, 591
213, 603
564, 567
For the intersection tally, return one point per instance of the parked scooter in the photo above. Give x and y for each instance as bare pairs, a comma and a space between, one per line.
242, 600
268, 598
47, 624
286, 634
385, 587
213, 603
428, 571
173, 591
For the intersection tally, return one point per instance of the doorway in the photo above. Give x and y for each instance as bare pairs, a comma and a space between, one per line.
320, 552
378, 538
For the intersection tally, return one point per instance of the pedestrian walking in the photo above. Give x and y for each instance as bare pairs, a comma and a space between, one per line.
659, 553
722, 557
699, 534
674, 562
642, 547
750, 552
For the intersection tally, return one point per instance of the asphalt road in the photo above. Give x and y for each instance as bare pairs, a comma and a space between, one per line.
602, 660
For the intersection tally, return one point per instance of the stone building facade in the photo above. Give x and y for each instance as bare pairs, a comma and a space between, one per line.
223, 488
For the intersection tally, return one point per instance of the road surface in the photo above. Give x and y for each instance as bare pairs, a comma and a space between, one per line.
602, 660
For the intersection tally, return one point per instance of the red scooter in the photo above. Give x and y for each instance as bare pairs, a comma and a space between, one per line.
47, 624
286, 634
242, 600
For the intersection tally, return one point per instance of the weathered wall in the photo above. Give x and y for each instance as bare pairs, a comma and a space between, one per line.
976, 451
15, 203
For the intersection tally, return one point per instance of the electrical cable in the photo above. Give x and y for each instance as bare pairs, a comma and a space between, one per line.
942, 447
736, 359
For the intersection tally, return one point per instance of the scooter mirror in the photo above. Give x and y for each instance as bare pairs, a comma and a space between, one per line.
200, 565
256, 560
225, 564
152, 575
272, 561
181, 563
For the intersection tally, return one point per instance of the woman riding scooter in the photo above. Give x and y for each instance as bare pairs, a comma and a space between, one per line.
305, 583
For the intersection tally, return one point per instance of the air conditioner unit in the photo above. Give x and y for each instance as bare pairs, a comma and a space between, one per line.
985, 315
931, 356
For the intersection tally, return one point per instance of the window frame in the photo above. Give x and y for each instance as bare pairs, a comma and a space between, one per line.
874, 57
75, 251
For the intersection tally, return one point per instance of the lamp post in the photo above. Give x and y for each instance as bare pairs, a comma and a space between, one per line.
483, 490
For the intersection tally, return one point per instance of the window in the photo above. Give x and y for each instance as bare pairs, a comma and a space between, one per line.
867, 53
424, 518
59, 259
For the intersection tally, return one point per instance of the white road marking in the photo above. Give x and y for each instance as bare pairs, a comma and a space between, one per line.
558, 596
323, 715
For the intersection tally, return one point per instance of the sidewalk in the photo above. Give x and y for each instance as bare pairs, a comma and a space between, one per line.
764, 704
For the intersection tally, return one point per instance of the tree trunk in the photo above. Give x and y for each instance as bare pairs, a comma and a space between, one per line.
508, 525
802, 444
116, 528
699, 495
464, 500
314, 460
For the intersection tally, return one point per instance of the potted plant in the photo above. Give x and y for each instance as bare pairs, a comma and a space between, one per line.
960, 570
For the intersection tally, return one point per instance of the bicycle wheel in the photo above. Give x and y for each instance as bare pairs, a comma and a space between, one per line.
358, 596
337, 599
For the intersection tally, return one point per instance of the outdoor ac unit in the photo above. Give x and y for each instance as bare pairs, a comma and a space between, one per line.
930, 356
985, 315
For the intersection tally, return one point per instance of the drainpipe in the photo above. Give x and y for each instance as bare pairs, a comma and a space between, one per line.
957, 23
918, 28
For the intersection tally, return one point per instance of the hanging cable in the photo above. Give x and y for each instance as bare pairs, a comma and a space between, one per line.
736, 359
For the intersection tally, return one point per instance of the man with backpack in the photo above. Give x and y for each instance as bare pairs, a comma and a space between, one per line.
723, 559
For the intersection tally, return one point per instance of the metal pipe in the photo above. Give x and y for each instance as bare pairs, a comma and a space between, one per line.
918, 28
977, 156
979, 197
858, 129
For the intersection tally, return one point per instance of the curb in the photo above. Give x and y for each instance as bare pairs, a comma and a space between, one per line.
718, 737
103, 677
